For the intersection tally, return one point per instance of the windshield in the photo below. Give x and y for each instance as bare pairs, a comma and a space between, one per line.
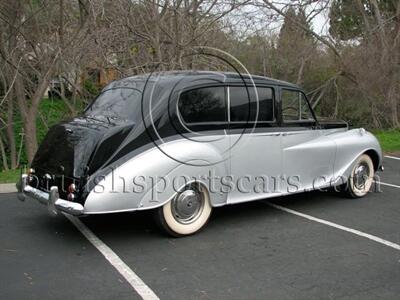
121, 103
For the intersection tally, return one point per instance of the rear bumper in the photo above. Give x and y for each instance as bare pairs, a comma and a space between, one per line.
52, 199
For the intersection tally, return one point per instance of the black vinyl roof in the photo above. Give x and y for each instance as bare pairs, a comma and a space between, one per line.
171, 77
232, 76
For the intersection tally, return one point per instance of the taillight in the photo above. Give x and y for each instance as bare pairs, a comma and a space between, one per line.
71, 197
71, 192
71, 188
31, 174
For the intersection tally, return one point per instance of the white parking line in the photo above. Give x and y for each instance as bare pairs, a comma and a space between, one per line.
331, 224
147, 294
389, 184
392, 157
140, 287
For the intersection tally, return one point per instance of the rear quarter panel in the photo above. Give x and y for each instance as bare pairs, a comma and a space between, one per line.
151, 178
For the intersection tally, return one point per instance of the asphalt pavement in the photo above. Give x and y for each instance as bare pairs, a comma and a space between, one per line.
247, 251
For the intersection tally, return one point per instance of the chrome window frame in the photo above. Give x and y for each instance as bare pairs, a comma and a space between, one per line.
228, 122
273, 92
299, 121
180, 117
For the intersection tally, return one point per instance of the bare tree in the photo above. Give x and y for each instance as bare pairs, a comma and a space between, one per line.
370, 64
39, 41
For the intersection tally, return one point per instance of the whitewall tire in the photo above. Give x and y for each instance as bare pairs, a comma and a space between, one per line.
187, 212
361, 178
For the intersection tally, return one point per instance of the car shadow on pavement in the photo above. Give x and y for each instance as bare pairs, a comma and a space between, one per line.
141, 224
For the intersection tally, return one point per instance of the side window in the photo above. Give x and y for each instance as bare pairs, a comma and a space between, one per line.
203, 105
295, 106
243, 105
266, 104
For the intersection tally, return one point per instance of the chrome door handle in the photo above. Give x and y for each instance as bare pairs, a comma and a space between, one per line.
290, 133
267, 134
272, 134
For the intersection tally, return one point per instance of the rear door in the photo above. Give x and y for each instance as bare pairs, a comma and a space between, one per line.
255, 143
204, 114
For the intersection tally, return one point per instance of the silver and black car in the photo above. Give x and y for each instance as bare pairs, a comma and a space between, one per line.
182, 143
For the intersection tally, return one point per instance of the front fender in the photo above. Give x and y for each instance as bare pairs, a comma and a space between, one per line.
350, 145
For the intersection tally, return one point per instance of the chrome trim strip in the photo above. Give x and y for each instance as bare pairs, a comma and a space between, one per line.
267, 134
53, 201
228, 98
294, 133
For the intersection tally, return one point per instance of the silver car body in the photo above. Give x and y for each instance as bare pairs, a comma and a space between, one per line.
234, 166
321, 158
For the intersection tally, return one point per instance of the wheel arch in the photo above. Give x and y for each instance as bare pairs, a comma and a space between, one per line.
350, 145
375, 158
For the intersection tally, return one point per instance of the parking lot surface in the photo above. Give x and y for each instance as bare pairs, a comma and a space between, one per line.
247, 251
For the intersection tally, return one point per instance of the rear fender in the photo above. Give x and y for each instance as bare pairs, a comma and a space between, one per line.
139, 183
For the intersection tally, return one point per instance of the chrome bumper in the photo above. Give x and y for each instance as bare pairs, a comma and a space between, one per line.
51, 199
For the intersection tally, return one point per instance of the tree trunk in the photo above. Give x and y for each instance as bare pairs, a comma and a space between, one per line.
28, 116
392, 97
31, 143
30, 136
29, 112
3, 154
10, 131
299, 80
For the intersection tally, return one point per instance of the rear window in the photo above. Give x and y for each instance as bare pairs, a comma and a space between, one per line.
123, 103
203, 105
243, 104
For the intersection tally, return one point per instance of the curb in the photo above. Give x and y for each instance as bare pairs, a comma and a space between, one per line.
6, 188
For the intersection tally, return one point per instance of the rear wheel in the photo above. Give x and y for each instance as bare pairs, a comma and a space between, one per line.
187, 212
361, 178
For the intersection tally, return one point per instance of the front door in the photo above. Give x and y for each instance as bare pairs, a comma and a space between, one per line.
307, 155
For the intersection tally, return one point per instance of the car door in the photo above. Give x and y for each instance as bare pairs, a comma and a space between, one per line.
307, 155
255, 151
204, 115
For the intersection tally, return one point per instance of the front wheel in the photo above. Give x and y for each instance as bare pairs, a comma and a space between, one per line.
362, 177
187, 212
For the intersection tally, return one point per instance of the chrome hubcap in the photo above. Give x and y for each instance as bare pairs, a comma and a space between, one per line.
187, 205
361, 175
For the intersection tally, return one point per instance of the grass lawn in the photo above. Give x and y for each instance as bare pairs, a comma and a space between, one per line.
389, 139
10, 176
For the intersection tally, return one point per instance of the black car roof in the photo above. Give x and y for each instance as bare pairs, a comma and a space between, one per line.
168, 77
258, 79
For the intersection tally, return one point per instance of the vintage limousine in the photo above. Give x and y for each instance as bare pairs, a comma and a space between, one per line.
181, 143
